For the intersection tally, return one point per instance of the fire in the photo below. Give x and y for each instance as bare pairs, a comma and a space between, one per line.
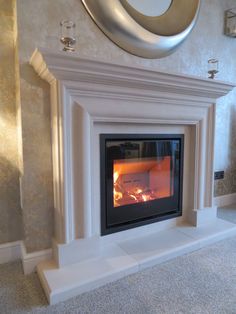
115, 176
117, 195
135, 194
136, 181
144, 197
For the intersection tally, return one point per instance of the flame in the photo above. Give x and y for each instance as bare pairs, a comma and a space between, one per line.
115, 176
117, 195
144, 197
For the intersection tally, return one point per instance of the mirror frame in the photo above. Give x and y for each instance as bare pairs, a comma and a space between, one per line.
141, 35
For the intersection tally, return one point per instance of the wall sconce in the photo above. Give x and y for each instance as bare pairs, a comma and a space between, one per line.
230, 23
213, 68
68, 35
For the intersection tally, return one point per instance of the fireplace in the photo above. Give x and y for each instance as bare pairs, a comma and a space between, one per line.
141, 179
92, 99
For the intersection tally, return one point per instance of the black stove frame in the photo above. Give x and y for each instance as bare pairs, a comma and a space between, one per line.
115, 219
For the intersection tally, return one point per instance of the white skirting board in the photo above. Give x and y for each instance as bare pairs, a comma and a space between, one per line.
31, 260
225, 200
10, 252
13, 251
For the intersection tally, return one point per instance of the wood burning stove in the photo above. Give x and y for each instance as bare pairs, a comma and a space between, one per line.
141, 179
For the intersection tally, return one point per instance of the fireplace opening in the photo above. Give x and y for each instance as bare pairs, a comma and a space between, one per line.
141, 179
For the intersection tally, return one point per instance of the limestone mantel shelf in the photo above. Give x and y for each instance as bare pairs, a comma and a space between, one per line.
90, 97
62, 66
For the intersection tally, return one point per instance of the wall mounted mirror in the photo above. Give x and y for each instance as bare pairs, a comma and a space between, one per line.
150, 28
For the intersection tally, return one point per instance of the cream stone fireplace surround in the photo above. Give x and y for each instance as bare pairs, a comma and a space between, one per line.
90, 97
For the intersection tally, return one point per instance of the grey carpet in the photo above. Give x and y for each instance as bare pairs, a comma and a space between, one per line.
227, 213
200, 282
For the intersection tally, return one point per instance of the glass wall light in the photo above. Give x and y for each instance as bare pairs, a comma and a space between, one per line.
213, 68
68, 35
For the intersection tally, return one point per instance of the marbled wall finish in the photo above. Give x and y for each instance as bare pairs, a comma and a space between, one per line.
38, 26
225, 148
10, 211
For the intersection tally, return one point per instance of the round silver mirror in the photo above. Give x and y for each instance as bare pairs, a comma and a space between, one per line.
146, 28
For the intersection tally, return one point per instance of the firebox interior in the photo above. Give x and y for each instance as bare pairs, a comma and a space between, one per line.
137, 181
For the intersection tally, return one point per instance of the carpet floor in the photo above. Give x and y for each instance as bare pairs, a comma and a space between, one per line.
200, 282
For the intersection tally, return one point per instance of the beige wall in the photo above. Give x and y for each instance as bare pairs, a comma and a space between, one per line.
10, 212
38, 25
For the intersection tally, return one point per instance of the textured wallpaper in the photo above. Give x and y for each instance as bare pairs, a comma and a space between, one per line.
38, 25
10, 212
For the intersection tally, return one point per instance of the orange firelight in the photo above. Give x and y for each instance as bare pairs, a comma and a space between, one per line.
141, 180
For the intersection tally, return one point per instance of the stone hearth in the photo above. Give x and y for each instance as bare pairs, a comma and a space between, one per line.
91, 97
